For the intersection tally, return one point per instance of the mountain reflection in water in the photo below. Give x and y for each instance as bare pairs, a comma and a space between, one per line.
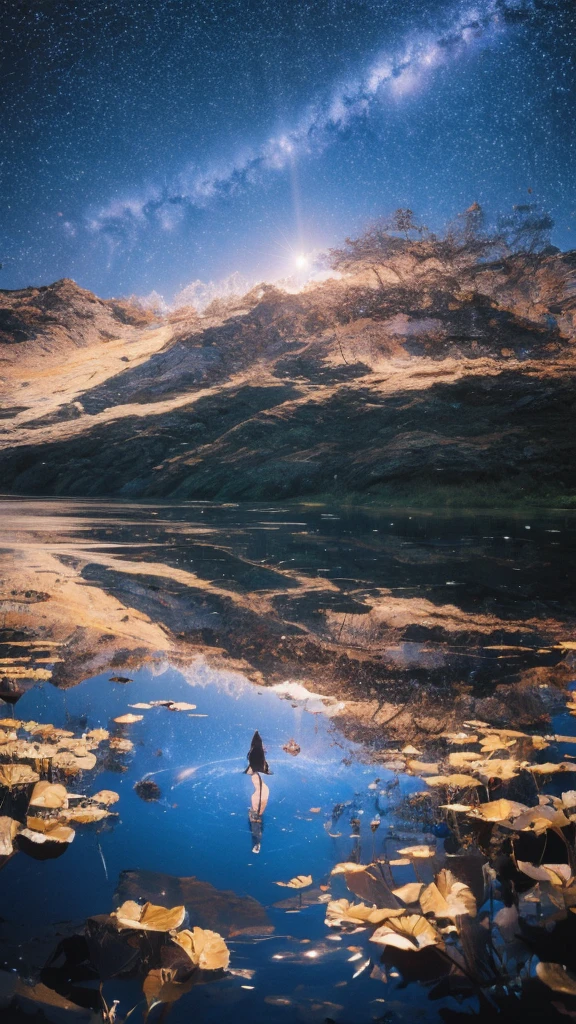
417, 661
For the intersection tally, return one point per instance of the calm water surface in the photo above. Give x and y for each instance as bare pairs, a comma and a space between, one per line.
293, 567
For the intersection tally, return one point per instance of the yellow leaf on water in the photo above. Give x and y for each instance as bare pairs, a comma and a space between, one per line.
84, 815
418, 851
409, 893
497, 810
446, 897
106, 797
457, 808
423, 767
97, 735
119, 743
47, 831
161, 986
347, 867
298, 882
411, 932
205, 948
73, 763
8, 830
559, 875
181, 705
342, 911
48, 794
556, 976
17, 775
462, 758
456, 781
128, 719
149, 917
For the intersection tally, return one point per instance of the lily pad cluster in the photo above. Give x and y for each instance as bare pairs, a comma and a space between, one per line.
38, 810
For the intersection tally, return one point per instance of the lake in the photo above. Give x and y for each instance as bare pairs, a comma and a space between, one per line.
394, 663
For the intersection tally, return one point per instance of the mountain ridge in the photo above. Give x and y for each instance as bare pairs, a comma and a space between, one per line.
455, 378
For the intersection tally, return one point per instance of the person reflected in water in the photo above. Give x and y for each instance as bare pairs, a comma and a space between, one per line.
257, 766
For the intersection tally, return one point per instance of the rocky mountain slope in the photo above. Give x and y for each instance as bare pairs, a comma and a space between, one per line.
442, 385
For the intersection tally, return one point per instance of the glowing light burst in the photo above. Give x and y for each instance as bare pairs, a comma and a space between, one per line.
390, 78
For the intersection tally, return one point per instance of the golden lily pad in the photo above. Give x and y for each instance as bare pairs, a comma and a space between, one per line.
298, 882
119, 743
73, 763
50, 795
560, 875
97, 735
498, 810
44, 830
411, 932
463, 758
149, 918
409, 893
85, 815
205, 948
106, 797
423, 767
419, 852
455, 781
8, 830
161, 986
342, 911
446, 897
346, 867
17, 775
556, 977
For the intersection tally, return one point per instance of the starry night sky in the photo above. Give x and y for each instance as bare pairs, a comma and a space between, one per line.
147, 144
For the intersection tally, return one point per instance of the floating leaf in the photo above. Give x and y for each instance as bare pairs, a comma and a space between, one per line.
456, 781
181, 705
97, 735
497, 768
446, 897
409, 893
106, 797
50, 795
559, 875
119, 743
17, 775
549, 768
423, 767
457, 808
73, 763
160, 986
497, 810
129, 719
409, 749
85, 815
342, 911
347, 867
298, 882
556, 977
149, 918
418, 851
46, 831
539, 819
205, 948
141, 707
8, 829
463, 758
411, 932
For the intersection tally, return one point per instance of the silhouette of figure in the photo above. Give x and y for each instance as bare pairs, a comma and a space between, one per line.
257, 766
256, 760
